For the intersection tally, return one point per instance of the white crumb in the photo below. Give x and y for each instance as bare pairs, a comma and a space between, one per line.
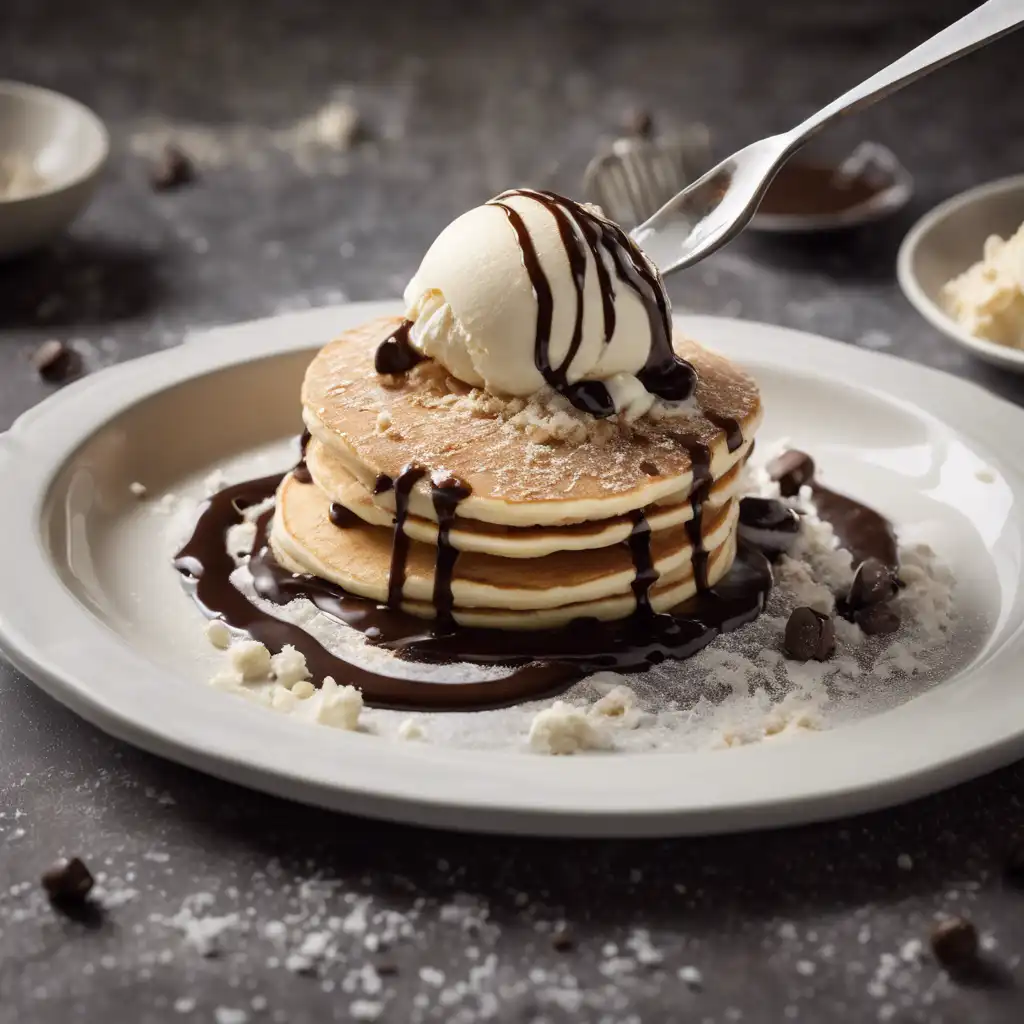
340, 706
167, 504
250, 659
410, 729
690, 976
288, 667
565, 729
615, 703
218, 634
137, 489
303, 689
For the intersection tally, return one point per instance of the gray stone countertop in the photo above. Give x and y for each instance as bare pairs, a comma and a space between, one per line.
223, 905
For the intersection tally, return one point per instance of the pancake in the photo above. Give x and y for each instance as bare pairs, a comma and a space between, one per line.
358, 558
376, 425
339, 485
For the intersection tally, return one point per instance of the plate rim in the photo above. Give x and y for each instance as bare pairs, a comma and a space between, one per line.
1000, 355
203, 717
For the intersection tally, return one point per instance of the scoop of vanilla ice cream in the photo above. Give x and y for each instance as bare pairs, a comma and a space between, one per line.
473, 309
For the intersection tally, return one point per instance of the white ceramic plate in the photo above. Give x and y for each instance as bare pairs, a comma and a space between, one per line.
949, 239
92, 611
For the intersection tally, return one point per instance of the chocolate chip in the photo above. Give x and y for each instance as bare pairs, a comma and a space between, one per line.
649, 468
873, 583
877, 620
562, 940
172, 170
68, 881
639, 123
768, 524
55, 362
386, 967
791, 470
955, 942
810, 635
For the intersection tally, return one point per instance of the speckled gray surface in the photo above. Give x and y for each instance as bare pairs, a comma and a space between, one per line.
816, 924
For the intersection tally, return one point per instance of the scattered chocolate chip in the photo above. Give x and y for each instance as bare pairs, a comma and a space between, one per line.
562, 940
1014, 869
386, 968
791, 470
67, 881
649, 468
639, 123
877, 620
810, 635
172, 170
873, 583
955, 942
767, 524
55, 362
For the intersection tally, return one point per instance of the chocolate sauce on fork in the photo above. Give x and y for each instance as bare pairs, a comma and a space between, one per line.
541, 661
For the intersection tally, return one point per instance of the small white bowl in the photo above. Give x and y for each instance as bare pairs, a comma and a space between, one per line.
945, 242
65, 145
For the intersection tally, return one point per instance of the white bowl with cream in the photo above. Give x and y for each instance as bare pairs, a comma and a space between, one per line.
948, 241
52, 150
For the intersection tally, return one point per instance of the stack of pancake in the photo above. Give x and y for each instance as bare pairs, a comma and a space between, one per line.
412, 494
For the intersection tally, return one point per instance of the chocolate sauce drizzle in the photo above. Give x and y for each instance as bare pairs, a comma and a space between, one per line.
664, 373
407, 478
700, 488
645, 575
395, 354
732, 427
542, 661
301, 470
446, 491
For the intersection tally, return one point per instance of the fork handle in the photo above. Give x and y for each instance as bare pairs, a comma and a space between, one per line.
990, 21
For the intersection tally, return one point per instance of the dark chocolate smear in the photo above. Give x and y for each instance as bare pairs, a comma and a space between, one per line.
407, 478
544, 661
645, 574
864, 532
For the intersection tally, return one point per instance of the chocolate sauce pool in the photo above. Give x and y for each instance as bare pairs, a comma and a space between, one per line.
543, 661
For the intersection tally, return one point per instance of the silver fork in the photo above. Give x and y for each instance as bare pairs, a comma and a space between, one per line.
709, 213
638, 173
